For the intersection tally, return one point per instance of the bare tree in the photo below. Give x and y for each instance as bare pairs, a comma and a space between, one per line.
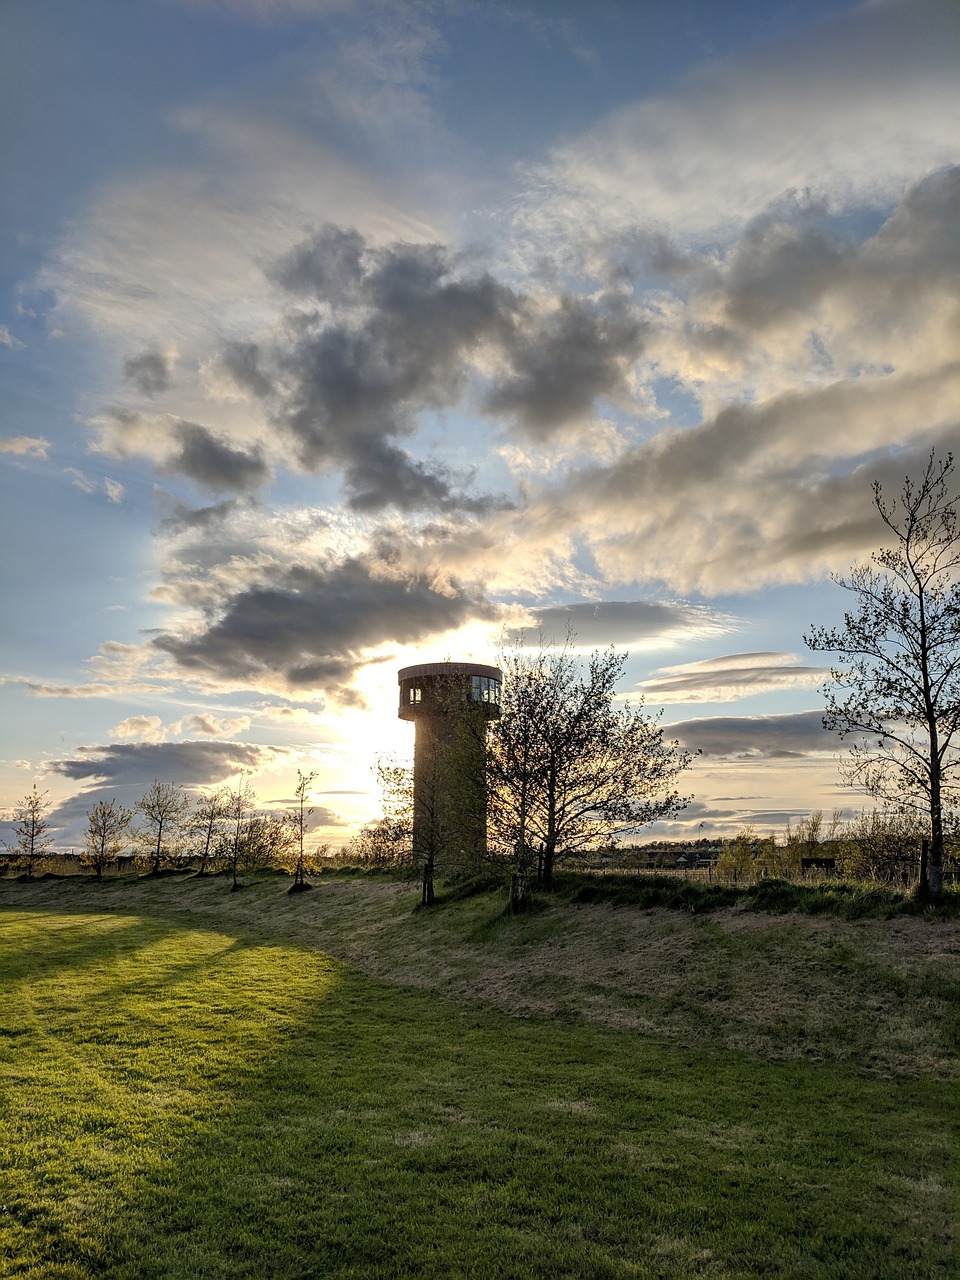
567, 768
240, 802
32, 830
106, 836
298, 818
206, 826
896, 694
163, 810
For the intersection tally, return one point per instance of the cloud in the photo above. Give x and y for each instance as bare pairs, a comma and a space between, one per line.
185, 517
756, 737
854, 107
562, 362
211, 461
746, 498
7, 339
113, 489
213, 727
738, 675
149, 372
310, 627
630, 623
139, 763
145, 728
392, 333
25, 446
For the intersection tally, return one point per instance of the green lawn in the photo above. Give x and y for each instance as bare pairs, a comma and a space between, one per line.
188, 1100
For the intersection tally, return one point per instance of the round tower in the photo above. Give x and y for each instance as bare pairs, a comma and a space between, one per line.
451, 704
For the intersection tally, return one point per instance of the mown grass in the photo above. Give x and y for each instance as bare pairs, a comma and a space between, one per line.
186, 1098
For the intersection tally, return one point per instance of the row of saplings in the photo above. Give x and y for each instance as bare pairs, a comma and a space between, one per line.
169, 829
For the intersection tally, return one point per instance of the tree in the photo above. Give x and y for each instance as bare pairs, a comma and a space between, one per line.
106, 836
206, 826
566, 768
897, 692
163, 809
31, 829
297, 819
239, 804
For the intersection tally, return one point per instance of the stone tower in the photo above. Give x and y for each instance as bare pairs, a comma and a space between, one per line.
451, 704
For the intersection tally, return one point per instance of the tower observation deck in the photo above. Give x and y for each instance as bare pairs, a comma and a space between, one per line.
451, 704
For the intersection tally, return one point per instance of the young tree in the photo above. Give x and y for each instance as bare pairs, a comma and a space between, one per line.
163, 810
106, 836
297, 819
897, 692
206, 826
567, 768
31, 829
232, 845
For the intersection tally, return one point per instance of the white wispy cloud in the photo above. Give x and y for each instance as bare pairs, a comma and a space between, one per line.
25, 446
726, 679
854, 108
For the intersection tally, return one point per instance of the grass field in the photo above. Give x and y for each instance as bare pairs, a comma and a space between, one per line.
194, 1087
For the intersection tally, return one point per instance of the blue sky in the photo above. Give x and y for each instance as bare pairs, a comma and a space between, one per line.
341, 335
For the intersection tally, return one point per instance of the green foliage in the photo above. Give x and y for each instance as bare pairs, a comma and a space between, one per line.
205, 1101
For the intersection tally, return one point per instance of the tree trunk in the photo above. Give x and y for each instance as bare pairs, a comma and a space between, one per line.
923, 880
519, 893
546, 876
426, 891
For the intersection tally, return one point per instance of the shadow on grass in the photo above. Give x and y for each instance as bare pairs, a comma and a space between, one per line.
287, 1117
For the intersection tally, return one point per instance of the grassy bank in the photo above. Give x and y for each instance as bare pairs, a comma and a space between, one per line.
194, 1087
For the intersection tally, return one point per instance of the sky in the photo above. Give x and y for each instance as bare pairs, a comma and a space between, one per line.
339, 335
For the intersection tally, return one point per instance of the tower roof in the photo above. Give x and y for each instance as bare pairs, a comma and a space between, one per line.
448, 669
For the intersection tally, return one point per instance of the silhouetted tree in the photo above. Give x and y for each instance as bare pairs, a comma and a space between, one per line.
240, 801
106, 836
566, 768
897, 692
206, 826
163, 811
297, 820
32, 830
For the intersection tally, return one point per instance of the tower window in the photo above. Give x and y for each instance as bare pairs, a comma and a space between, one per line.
414, 693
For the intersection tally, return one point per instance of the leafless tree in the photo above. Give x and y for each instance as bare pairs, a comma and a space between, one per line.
896, 691
163, 811
32, 830
106, 836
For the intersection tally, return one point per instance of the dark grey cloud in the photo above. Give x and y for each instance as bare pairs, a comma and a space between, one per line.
392, 335
202, 518
617, 622
242, 360
788, 257
792, 256
212, 462
329, 265
561, 364
765, 737
309, 627
124, 771
149, 372
138, 763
